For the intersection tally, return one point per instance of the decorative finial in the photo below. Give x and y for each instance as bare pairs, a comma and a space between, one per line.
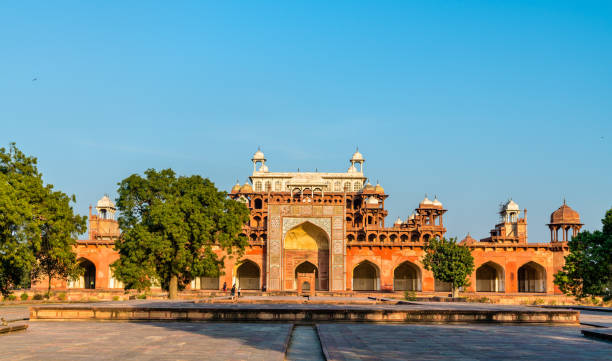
563, 200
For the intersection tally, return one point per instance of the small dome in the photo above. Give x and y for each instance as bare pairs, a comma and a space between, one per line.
379, 188
236, 188
263, 168
369, 187
259, 155
426, 201
352, 169
105, 202
468, 240
246, 188
357, 156
372, 200
436, 202
398, 221
565, 215
411, 217
511, 206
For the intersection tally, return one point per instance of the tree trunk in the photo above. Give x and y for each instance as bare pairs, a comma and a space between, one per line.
49, 288
173, 287
455, 292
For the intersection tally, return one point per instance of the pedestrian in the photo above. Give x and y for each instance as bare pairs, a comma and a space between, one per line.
238, 291
224, 286
233, 290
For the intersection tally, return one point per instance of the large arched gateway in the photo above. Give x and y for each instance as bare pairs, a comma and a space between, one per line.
306, 250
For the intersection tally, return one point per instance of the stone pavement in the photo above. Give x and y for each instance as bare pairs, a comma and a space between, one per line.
146, 341
464, 342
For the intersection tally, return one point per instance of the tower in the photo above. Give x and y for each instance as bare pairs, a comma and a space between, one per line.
103, 226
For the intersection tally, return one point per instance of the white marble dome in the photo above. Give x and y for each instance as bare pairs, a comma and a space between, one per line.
105, 202
511, 206
259, 155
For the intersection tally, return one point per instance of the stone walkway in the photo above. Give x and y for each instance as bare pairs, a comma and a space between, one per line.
459, 342
146, 341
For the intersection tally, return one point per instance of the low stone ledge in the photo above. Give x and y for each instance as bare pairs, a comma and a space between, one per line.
298, 313
13, 328
602, 334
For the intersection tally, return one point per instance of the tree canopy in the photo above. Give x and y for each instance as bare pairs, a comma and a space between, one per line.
449, 262
170, 228
37, 225
588, 267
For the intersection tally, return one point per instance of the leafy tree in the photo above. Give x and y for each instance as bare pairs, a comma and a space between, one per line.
588, 267
36, 222
449, 262
59, 229
169, 227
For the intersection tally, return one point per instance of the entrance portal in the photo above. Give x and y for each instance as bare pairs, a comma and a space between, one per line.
307, 267
306, 250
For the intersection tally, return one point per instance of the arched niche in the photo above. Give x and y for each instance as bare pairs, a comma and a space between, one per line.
490, 278
532, 278
248, 276
407, 277
366, 277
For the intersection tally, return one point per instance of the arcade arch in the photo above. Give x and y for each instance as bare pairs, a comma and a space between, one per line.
531, 278
490, 278
407, 277
366, 277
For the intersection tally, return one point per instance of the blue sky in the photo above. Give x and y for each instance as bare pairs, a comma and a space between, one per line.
473, 101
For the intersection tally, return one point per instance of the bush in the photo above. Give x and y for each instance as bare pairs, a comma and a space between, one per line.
10, 298
38, 297
62, 296
115, 298
48, 295
142, 296
538, 301
410, 295
24, 296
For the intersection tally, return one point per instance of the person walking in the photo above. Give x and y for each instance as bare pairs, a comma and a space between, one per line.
238, 291
233, 292
224, 286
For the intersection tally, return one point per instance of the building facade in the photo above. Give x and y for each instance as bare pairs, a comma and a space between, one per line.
333, 225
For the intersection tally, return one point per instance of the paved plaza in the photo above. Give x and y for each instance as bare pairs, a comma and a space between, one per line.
78, 340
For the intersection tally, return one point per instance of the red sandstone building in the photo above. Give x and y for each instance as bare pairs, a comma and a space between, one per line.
333, 225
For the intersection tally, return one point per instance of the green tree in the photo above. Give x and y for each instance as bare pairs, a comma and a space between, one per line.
32, 215
169, 227
59, 229
588, 267
449, 262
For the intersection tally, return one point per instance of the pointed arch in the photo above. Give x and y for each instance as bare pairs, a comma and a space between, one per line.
307, 267
306, 235
366, 277
490, 277
248, 275
532, 278
88, 279
407, 277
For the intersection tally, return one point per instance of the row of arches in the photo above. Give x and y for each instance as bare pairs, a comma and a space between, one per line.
404, 237
490, 277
